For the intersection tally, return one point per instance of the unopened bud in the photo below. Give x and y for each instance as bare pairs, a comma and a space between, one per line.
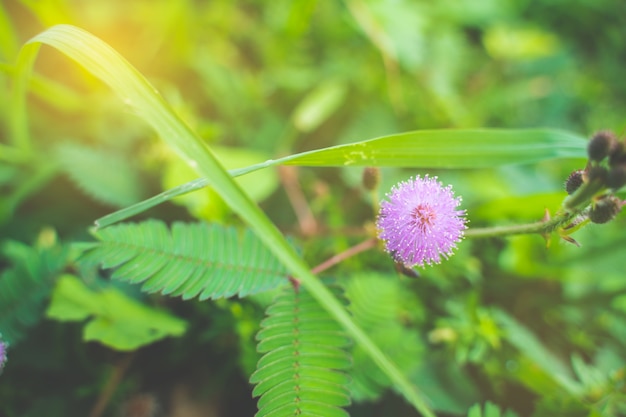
371, 178
574, 181
616, 177
605, 209
617, 156
594, 181
601, 145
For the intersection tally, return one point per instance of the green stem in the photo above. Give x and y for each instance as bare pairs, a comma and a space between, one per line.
582, 197
541, 227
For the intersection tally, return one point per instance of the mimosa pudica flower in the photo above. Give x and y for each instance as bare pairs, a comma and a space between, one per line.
421, 223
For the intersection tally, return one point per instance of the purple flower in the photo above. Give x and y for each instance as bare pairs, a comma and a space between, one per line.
420, 223
3, 354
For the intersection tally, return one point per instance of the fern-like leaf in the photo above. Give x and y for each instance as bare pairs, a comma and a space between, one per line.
380, 305
489, 410
191, 259
25, 286
119, 187
301, 371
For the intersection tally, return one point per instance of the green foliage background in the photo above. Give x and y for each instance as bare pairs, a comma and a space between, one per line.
538, 331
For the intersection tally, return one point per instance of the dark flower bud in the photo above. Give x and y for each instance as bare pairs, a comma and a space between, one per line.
605, 209
594, 180
601, 145
617, 177
574, 181
617, 156
371, 178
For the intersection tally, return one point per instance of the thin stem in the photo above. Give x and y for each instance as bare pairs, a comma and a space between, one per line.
541, 227
111, 385
354, 250
336, 259
289, 178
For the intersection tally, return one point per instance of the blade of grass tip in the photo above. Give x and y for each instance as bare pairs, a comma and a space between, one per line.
167, 195
102, 61
449, 149
144, 205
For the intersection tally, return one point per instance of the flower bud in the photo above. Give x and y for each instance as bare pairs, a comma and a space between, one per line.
574, 181
617, 156
371, 178
616, 177
601, 145
594, 181
605, 209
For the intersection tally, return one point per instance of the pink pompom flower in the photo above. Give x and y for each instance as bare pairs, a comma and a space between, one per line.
421, 223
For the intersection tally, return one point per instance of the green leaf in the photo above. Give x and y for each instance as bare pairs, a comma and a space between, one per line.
489, 410
72, 300
26, 284
380, 304
108, 177
128, 325
318, 105
191, 260
28, 182
116, 320
301, 371
510, 43
532, 348
451, 149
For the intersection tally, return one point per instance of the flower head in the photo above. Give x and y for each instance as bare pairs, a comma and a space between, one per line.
3, 354
420, 223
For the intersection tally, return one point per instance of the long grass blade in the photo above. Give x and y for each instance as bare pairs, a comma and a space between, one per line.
137, 93
451, 149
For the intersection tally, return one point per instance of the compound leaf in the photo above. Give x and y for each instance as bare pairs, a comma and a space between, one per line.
301, 372
25, 286
488, 410
191, 260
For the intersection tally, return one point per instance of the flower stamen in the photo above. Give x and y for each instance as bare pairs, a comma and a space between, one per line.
424, 216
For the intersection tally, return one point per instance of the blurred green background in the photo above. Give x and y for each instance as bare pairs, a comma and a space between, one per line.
506, 320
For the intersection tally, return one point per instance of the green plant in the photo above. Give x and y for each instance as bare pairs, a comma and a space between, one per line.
306, 336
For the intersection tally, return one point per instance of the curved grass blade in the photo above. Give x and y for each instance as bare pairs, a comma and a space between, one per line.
137, 93
449, 149
144, 205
